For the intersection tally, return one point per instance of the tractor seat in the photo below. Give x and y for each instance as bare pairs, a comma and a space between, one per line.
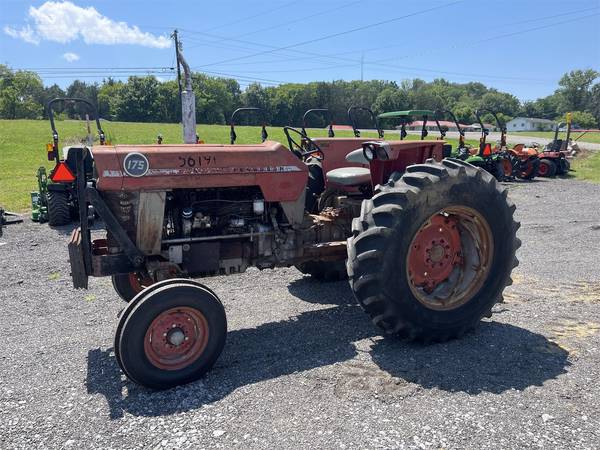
349, 176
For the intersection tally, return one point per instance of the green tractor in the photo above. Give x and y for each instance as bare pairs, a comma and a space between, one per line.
498, 163
55, 201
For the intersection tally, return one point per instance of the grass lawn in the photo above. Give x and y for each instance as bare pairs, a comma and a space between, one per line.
22, 146
587, 137
587, 167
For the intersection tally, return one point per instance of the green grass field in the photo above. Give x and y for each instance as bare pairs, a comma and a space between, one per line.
587, 167
587, 137
23, 148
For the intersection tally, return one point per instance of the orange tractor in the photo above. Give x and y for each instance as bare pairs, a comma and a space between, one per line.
525, 162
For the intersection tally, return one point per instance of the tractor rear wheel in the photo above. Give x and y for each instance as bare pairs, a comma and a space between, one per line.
59, 212
547, 168
432, 252
324, 270
172, 335
128, 285
563, 167
529, 168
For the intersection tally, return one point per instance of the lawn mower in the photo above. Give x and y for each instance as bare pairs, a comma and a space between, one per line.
8, 218
525, 162
406, 117
429, 243
553, 158
55, 200
233, 136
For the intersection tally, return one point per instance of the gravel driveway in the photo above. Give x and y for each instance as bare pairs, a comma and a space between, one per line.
303, 367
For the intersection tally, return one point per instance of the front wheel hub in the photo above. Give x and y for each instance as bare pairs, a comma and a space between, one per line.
176, 338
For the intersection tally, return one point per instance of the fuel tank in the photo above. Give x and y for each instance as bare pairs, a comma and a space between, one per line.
280, 175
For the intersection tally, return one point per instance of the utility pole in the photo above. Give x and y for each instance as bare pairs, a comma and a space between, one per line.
175, 37
188, 101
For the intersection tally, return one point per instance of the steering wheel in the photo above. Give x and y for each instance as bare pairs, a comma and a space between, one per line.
306, 148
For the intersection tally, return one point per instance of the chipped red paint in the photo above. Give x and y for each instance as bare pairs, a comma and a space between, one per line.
279, 173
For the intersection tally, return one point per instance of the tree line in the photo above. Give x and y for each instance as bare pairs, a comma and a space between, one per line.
146, 99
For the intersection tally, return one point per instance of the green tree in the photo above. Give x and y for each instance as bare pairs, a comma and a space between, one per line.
21, 94
500, 102
574, 91
584, 119
138, 100
594, 104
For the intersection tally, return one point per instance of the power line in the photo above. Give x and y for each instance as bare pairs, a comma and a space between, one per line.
392, 67
341, 33
521, 22
94, 68
244, 19
286, 23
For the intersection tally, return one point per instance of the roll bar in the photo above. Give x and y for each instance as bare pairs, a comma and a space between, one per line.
461, 133
351, 117
263, 134
54, 155
501, 125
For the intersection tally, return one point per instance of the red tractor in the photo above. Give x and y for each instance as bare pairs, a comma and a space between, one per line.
428, 243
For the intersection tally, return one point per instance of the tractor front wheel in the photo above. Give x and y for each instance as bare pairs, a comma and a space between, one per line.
547, 168
172, 335
128, 285
432, 252
59, 212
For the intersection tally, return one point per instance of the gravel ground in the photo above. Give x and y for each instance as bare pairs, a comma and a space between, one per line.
303, 367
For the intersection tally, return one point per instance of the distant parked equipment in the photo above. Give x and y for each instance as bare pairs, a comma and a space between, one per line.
55, 201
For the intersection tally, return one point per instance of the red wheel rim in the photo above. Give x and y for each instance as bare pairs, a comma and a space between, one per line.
543, 169
449, 258
138, 282
176, 338
435, 251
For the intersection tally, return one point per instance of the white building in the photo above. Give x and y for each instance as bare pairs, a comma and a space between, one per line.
529, 124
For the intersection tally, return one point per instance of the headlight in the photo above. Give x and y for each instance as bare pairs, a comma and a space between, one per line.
369, 154
382, 153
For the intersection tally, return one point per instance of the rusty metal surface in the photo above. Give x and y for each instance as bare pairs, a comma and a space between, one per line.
280, 175
151, 211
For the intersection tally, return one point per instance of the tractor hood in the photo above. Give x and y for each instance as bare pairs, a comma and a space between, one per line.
278, 172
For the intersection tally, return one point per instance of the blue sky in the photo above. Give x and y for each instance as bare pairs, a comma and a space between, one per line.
522, 47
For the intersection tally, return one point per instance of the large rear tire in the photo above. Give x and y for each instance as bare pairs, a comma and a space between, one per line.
547, 168
58, 208
172, 335
432, 252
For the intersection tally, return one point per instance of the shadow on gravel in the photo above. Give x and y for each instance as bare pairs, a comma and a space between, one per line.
322, 293
496, 358
312, 339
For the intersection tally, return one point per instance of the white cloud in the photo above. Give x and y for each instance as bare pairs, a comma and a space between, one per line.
70, 56
65, 22
26, 33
